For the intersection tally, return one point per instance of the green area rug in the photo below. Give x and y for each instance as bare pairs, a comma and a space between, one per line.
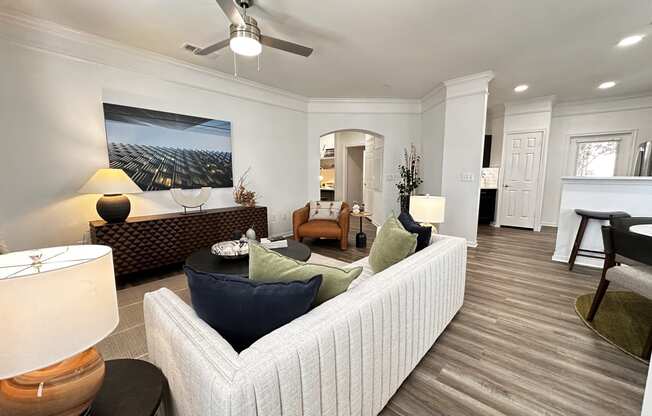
624, 319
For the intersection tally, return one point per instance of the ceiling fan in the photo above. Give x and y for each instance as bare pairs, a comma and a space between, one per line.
245, 37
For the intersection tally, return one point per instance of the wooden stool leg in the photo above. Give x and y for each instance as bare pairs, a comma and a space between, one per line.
578, 242
597, 299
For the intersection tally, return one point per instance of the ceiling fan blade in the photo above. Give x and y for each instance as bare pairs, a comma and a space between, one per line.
285, 46
213, 48
231, 11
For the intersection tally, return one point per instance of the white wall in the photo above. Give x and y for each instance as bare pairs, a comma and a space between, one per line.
464, 128
570, 119
496, 130
580, 118
53, 135
433, 122
397, 121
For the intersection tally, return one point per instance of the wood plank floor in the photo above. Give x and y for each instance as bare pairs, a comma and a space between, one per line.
517, 347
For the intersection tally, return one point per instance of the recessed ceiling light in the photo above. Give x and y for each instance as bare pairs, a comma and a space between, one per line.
521, 88
630, 40
606, 85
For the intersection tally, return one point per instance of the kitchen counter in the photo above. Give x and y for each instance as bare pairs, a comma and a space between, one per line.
632, 194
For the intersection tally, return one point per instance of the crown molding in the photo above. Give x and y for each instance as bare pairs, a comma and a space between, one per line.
364, 106
28, 31
604, 105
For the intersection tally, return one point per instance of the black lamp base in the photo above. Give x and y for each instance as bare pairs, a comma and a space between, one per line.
113, 208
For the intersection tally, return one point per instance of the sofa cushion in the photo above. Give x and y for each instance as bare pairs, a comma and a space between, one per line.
392, 244
320, 228
269, 266
423, 233
325, 210
242, 310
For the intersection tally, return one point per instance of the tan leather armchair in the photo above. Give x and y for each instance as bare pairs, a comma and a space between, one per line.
336, 230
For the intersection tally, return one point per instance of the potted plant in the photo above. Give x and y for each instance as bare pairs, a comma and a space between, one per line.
410, 179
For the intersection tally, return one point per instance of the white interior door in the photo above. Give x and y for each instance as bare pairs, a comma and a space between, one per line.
521, 179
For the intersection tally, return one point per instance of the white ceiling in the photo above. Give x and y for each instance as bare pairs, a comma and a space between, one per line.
383, 48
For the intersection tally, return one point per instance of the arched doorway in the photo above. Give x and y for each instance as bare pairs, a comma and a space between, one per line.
351, 169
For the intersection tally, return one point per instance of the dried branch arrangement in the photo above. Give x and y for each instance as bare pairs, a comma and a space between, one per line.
241, 195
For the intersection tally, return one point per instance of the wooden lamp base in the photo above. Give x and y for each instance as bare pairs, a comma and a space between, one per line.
63, 389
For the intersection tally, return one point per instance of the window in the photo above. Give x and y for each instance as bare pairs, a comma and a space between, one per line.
596, 158
601, 155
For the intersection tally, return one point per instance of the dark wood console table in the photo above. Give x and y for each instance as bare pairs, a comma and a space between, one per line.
150, 242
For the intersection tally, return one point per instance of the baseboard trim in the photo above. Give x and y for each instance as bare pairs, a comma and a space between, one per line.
581, 261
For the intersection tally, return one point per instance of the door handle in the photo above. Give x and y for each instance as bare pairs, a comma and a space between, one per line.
505, 186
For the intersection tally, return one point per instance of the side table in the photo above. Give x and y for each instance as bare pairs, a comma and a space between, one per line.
130, 388
361, 237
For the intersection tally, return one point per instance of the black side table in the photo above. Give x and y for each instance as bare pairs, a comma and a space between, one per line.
130, 388
361, 237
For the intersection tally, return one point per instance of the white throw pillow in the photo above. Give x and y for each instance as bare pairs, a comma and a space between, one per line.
325, 210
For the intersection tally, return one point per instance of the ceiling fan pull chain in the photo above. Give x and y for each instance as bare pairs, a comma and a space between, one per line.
235, 65
259, 61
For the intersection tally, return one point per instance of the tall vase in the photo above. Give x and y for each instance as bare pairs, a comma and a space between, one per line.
405, 203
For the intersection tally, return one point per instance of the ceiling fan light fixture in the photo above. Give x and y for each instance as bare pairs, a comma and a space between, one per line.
245, 46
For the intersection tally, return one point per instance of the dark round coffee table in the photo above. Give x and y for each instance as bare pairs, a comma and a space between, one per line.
130, 388
204, 261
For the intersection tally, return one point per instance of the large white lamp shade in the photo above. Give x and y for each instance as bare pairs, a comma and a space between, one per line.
56, 309
428, 209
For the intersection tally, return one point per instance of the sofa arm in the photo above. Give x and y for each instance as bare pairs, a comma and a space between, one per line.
299, 217
197, 362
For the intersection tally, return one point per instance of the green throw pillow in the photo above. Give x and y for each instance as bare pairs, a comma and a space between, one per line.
392, 244
269, 266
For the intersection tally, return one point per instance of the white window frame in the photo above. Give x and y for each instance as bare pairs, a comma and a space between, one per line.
626, 141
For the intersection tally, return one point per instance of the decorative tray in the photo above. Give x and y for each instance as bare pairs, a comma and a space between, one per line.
231, 250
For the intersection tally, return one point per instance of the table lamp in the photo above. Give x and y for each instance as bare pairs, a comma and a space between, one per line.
428, 210
55, 305
113, 206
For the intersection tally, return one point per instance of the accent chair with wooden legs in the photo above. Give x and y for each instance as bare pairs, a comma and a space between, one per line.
628, 263
337, 229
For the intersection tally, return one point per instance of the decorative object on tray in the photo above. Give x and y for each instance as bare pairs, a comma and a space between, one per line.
410, 179
272, 244
231, 250
356, 208
187, 200
251, 233
241, 195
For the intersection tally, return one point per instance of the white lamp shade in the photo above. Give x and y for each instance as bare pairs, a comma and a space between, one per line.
52, 312
110, 181
428, 209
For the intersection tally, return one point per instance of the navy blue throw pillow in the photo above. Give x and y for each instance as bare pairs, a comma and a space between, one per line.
242, 310
423, 233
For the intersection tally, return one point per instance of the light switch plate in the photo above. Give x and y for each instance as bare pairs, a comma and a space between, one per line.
466, 177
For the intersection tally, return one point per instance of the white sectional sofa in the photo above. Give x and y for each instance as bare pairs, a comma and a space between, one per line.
347, 356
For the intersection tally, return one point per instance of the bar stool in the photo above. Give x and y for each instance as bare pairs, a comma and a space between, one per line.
586, 216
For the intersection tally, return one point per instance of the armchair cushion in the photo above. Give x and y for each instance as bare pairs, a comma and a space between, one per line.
325, 210
320, 228
242, 310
